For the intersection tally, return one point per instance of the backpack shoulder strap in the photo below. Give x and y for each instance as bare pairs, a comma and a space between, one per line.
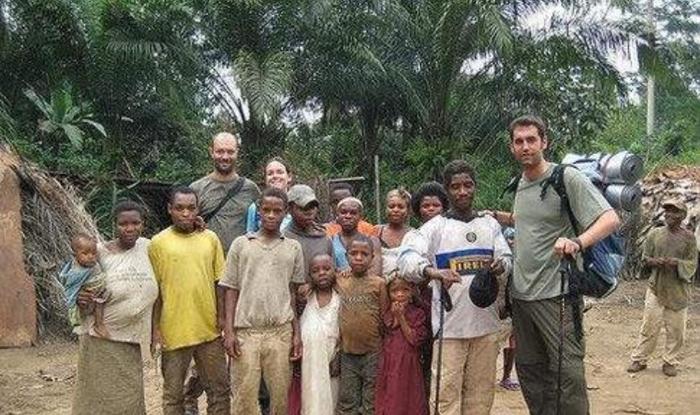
511, 187
556, 181
237, 186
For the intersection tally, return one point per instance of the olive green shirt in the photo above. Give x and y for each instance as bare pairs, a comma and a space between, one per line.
538, 225
671, 285
229, 222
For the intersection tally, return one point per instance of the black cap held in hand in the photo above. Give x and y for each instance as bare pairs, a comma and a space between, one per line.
484, 289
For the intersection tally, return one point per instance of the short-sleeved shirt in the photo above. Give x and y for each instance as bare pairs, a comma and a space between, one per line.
187, 267
361, 301
129, 278
230, 221
262, 274
312, 243
538, 225
672, 285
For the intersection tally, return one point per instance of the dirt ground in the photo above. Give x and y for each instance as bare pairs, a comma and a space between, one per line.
40, 380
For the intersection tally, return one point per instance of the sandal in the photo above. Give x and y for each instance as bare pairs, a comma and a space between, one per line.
509, 384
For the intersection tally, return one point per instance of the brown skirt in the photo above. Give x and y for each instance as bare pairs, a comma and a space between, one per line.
110, 378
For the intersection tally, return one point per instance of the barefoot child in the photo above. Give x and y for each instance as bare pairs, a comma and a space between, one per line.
319, 335
400, 384
363, 298
84, 273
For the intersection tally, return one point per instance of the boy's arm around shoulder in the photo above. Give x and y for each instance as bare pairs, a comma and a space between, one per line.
218, 262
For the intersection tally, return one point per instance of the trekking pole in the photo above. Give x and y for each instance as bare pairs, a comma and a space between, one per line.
439, 354
562, 305
445, 304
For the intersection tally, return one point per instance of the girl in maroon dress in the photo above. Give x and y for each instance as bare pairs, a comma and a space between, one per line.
400, 385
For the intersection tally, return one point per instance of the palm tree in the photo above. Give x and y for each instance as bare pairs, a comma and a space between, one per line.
445, 69
252, 47
460, 44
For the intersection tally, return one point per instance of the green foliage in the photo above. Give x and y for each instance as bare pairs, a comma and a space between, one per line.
417, 83
677, 139
62, 115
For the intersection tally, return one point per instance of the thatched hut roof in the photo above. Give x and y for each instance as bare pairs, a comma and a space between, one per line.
52, 212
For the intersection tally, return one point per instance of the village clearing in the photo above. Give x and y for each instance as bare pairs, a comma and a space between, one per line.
40, 380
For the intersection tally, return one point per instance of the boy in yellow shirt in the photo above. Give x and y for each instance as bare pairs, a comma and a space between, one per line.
187, 266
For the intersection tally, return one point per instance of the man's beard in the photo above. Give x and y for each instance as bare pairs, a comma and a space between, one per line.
224, 170
531, 160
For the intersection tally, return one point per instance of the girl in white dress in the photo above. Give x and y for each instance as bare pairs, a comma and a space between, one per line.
320, 335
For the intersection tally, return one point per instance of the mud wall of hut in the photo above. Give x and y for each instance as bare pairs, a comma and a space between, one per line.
18, 325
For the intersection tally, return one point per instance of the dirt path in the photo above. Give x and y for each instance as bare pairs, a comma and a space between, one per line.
40, 380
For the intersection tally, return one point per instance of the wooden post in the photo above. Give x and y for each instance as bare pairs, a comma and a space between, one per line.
377, 194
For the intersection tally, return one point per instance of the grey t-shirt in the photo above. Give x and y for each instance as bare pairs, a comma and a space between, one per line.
539, 223
229, 222
312, 244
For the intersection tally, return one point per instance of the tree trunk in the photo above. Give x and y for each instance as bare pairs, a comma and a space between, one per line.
370, 138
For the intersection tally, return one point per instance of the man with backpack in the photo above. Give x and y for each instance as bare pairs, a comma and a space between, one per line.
224, 196
549, 357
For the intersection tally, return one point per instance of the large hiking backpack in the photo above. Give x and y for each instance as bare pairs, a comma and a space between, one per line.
602, 262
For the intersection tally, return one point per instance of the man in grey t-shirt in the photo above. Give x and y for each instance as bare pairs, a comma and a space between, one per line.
543, 235
227, 223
